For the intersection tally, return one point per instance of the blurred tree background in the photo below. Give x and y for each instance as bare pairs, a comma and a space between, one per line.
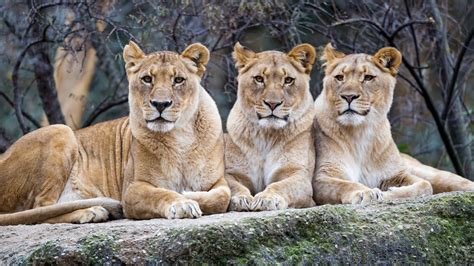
61, 61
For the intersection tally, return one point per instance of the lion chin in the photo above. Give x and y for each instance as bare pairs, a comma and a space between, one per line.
160, 126
272, 122
350, 119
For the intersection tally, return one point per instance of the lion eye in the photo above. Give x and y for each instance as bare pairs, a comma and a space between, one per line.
147, 79
339, 77
289, 80
178, 80
368, 77
258, 79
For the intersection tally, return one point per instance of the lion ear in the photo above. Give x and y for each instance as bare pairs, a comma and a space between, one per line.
199, 54
329, 54
242, 55
305, 54
389, 59
132, 54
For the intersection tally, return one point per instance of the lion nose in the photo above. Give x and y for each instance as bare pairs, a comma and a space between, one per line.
161, 106
272, 105
350, 97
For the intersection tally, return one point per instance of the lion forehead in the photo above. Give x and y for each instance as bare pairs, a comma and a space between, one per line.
362, 63
164, 61
271, 63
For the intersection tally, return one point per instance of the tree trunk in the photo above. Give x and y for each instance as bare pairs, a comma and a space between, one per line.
455, 121
73, 75
457, 129
44, 77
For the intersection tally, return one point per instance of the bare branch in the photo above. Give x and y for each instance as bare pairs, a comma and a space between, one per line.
456, 70
28, 116
103, 107
5, 142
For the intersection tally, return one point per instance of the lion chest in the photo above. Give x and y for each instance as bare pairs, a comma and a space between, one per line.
364, 174
261, 165
366, 171
179, 170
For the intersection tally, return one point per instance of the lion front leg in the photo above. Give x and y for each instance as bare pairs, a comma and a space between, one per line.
405, 186
331, 190
145, 201
294, 191
213, 201
241, 197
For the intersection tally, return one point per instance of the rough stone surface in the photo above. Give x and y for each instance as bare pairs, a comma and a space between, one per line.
437, 229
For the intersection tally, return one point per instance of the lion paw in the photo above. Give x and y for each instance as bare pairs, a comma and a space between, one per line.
93, 215
240, 203
183, 209
367, 196
266, 201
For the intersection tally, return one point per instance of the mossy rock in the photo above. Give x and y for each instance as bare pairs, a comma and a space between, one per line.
437, 229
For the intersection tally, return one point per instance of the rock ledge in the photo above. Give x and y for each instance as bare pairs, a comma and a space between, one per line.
437, 229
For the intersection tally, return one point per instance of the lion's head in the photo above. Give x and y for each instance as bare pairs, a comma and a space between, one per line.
358, 88
274, 86
164, 86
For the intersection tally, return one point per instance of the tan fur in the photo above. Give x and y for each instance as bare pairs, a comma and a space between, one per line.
270, 161
171, 168
357, 159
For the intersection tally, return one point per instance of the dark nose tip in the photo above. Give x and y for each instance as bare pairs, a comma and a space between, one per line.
350, 97
272, 105
161, 106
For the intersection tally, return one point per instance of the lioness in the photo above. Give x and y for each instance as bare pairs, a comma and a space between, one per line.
165, 159
268, 151
357, 159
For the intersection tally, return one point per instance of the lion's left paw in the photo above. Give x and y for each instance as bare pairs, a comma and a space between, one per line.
268, 201
367, 196
93, 214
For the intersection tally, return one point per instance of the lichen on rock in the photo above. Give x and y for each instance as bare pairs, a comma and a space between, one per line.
436, 229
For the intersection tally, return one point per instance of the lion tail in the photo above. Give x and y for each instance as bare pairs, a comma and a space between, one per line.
38, 215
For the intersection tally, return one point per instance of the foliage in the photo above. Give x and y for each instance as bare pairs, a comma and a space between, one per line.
432, 107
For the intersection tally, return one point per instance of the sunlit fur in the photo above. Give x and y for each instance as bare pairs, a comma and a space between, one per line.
182, 174
273, 66
358, 161
163, 67
374, 96
155, 169
269, 160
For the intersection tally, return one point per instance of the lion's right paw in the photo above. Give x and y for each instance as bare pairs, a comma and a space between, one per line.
240, 203
366, 196
183, 209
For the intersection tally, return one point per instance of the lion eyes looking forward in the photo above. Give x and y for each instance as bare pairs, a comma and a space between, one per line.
268, 83
165, 85
272, 90
164, 90
356, 83
354, 88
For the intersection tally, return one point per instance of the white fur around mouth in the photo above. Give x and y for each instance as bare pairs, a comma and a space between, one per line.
159, 125
350, 119
272, 122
